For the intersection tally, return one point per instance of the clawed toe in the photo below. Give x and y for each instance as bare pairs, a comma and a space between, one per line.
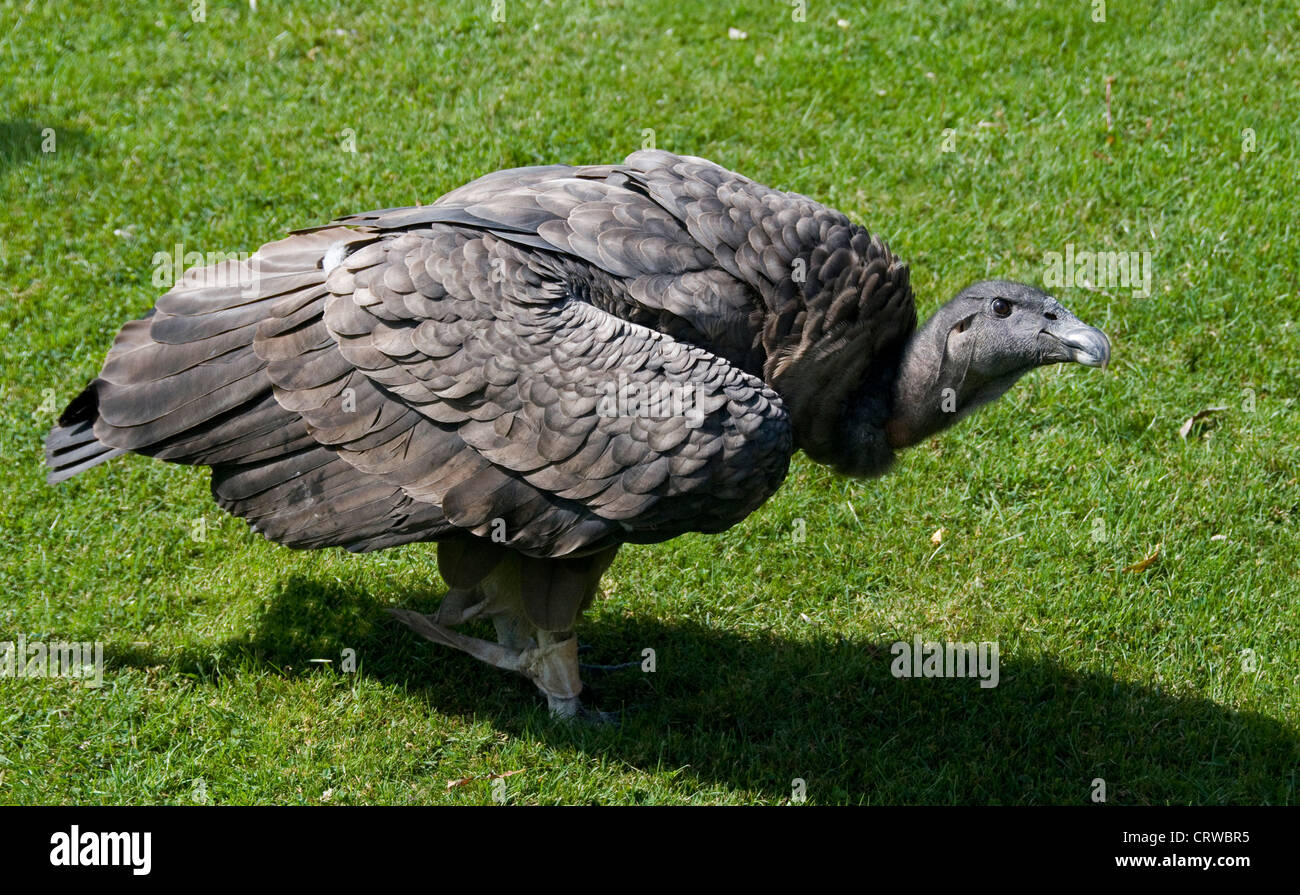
572, 709
619, 667
595, 666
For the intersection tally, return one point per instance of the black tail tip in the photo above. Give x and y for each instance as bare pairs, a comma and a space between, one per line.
83, 409
71, 446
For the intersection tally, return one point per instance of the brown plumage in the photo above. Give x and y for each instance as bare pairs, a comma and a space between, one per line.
470, 371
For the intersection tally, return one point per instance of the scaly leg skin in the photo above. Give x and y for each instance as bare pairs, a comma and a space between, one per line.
513, 632
554, 664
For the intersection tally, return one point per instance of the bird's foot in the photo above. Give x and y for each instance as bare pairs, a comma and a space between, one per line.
573, 709
550, 662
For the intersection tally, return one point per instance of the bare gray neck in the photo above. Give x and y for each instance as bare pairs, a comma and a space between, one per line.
936, 387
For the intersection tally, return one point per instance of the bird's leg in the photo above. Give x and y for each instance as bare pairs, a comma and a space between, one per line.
458, 606
427, 626
550, 662
513, 632
549, 659
553, 666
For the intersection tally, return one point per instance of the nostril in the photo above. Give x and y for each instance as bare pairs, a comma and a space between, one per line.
1050, 316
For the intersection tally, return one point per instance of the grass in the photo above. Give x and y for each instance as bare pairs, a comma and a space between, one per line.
772, 652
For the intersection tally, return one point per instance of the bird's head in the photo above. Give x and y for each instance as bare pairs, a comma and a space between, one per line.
975, 347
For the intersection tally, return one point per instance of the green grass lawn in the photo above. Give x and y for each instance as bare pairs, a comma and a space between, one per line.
772, 651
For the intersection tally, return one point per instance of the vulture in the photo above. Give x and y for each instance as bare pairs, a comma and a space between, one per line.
542, 365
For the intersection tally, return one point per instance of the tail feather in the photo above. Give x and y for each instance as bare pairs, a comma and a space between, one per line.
189, 387
71, 447
185, 383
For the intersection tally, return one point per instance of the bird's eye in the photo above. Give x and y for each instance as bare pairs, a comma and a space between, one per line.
1001, 307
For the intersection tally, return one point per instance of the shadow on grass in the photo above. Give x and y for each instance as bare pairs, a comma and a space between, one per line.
22, 140
755, 711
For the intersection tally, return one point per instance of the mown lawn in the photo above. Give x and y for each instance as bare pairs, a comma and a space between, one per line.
772, 651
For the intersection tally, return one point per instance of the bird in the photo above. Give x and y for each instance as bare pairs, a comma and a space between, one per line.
542, 365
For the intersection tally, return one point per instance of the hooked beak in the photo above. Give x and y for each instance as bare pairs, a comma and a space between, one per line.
1073, 340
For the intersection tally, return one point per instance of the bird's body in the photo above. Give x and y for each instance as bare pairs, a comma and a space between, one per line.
540, 366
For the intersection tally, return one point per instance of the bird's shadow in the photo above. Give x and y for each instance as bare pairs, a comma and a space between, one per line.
23, 140
760, 712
